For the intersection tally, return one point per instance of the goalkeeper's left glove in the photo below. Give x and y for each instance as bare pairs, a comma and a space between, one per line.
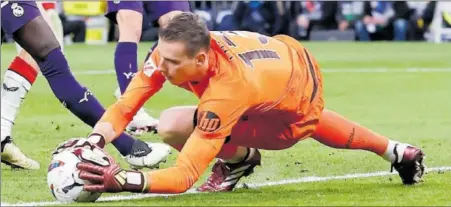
110, 177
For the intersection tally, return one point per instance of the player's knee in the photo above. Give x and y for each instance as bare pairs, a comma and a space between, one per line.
48, 46
37, 38
175, 125
130, 25
168, 131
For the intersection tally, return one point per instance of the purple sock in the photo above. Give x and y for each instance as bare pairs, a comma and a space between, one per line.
78, 99
125, 63
124, 144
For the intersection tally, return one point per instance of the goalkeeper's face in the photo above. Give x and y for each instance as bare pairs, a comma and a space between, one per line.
178, 66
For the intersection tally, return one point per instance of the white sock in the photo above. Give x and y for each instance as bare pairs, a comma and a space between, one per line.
389, 154
14, 89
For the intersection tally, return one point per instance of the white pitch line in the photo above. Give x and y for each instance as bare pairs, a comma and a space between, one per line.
325, 70
387, 70
255, 185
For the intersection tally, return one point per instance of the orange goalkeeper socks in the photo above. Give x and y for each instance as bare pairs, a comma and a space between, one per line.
336, 131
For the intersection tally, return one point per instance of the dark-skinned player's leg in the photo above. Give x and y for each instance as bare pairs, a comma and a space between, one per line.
34, 35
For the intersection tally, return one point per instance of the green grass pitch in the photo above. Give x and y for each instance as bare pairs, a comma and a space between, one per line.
376, 84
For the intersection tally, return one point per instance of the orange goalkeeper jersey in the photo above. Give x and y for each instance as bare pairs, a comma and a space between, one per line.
248, 73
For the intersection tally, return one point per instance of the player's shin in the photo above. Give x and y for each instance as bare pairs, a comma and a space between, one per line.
336, 131
78, 99
126, 54
125, 63
17, 82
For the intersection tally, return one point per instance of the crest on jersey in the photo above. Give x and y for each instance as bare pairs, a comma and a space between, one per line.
17, 10
149, 67
208, 121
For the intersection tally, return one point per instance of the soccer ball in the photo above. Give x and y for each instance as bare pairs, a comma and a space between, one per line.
63, 180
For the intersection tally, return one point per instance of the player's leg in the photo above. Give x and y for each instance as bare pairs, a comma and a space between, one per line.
52, 17
22, 74
17, 81
256, 132
237, 158
36, 37
176, 124
128, 16
239, 154
336, 131
160, 12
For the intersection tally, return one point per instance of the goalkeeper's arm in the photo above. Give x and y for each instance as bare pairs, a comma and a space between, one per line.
145, 84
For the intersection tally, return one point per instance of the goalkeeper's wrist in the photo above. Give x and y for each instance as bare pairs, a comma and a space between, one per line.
136, 181
97, 139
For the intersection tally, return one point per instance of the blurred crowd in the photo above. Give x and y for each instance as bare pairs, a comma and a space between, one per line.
318, 20
304, 20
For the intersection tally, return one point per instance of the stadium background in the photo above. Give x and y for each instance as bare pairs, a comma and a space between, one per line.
305, 20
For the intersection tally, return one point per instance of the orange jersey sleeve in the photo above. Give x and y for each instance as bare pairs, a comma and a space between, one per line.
222, 104
192, 161
146, 83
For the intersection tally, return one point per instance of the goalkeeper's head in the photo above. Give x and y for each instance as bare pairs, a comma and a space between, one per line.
183, 47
